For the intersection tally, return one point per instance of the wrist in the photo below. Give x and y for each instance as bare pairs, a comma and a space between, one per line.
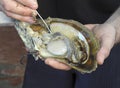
114, 21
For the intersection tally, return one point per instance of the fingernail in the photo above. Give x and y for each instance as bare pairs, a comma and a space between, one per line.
31, 20
34, 4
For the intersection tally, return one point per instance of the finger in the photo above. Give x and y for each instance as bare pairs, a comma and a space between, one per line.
106, 46
102, 55
21, 18
29, 3
90, 26
57, 65
17, 8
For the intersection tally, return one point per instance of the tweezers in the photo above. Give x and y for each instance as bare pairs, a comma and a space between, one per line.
47, 27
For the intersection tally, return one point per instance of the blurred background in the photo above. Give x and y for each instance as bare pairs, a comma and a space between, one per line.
11, 51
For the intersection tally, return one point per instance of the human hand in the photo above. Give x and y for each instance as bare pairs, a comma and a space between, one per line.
19, 9
106, 34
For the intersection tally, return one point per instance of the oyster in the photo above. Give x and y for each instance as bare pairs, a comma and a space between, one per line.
69, 42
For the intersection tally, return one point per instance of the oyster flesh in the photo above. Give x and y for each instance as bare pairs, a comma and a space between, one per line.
69, 42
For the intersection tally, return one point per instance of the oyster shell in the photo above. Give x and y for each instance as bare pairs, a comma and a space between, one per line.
69, 42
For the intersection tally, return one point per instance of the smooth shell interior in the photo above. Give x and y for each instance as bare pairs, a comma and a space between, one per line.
71, 33
57, 47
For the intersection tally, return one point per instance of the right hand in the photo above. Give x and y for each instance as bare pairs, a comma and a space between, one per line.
19, 9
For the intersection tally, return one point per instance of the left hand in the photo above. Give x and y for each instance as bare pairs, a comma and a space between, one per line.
105, 33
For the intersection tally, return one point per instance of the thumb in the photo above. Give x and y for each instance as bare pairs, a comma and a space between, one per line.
107, 42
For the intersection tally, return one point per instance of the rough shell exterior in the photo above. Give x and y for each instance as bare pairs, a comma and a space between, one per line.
74, 44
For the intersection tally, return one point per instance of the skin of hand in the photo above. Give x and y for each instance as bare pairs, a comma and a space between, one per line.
19, 9
105, 33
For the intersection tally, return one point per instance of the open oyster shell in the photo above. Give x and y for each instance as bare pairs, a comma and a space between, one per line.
69, 42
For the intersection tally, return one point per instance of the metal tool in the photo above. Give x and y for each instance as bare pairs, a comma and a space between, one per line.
47, 27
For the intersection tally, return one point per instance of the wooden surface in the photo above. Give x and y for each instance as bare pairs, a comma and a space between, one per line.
11, 51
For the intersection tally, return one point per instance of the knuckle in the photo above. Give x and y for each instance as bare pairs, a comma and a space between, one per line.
26, 12
23, 13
